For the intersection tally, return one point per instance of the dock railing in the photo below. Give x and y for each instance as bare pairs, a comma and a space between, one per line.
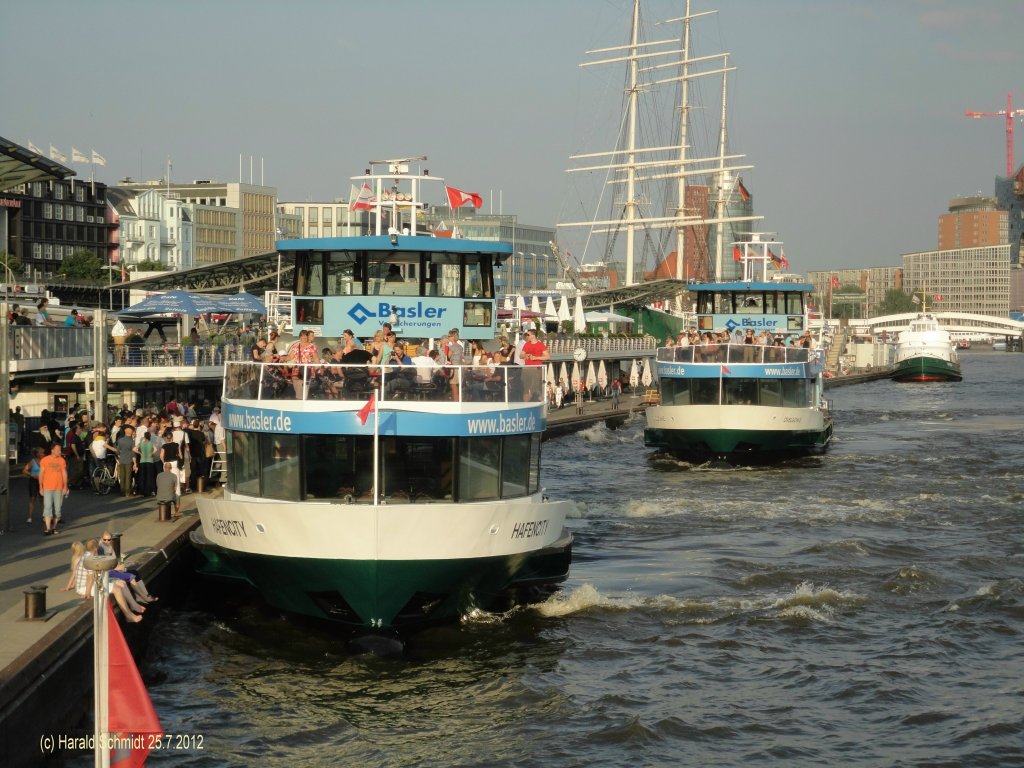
356, 382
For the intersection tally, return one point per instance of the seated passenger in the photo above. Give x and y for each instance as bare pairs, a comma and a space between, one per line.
398, 380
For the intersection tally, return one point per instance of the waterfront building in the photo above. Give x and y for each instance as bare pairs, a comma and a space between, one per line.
1010, 198
150, 227
972, 222
49, 220
320, 219
875, 282
230, 219
967, 279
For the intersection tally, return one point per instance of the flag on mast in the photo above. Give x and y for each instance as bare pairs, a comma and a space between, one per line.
56, 154
130, 712
77, 156
33, 148
743, 190
457, 198
362, 200
835, 281
737, 253
364, 413
98, 159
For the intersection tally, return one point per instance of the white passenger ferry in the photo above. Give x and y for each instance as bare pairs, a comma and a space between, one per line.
382, 497
743, 401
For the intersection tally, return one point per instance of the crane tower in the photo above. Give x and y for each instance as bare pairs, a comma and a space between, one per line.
1010, 113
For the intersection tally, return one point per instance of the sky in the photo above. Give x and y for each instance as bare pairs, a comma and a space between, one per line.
851, 112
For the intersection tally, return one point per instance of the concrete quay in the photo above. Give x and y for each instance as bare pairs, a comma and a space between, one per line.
46, 665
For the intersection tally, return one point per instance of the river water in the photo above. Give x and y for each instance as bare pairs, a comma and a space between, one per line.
863, 608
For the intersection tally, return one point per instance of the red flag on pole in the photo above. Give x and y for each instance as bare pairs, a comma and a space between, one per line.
726, 371
937, 297
457, 198
835, 281
364, 412
737, 253
743, 191
130, 713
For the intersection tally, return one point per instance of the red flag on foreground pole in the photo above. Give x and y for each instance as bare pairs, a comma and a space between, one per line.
131, 719
457, 198
364, 412
835, 281
737, 253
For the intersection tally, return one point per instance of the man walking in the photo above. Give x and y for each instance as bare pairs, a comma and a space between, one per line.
53, 485
126, 460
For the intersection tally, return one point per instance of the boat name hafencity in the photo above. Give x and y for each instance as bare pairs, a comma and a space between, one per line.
530, 529
228, 527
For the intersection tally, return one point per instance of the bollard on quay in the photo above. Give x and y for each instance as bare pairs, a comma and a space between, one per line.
35, 603
163, 511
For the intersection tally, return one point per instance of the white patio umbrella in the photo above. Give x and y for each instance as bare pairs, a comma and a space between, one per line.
550, 313
646, 378
578, 318
591, 375
508, 302
634, 375
551, 373
535, 304
563, 373
563, 310
602, 375
520, 302
575, 376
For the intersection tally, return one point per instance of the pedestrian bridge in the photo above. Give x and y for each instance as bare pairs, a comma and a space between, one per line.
958, 324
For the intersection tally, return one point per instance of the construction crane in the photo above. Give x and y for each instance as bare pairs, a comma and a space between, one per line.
568, 270
1009, 113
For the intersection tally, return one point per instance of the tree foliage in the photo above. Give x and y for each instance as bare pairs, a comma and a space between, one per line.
83, 266
150, 265
10, 266
895, 302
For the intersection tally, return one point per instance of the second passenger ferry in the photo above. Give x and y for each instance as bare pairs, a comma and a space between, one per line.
750, 387
387, 497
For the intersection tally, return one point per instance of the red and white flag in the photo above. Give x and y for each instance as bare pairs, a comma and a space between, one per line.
457, 198
726, 371
737, 253
743, 191
835, 281
937, 297
363, 200
364, 413
130, 714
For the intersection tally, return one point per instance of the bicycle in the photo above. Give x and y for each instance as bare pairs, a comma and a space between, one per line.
103, 479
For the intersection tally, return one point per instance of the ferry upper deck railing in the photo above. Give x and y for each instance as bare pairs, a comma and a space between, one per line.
356, 382
738, 353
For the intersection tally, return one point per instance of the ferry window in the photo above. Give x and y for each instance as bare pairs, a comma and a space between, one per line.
794, 393
675, 391
445, 269
244, 463
328, 466
750, 304
427, 467
341, 275
280, 462
309, 311
770, 392
479, 280
535, 440
309, 274
476, 314
515, 466
794, 303
387, 278
704, 391
739, 391
478, 468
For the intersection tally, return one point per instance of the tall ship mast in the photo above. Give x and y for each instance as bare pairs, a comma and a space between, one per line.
641, 175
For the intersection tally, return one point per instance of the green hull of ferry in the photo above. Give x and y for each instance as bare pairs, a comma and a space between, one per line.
926, 368
750, 443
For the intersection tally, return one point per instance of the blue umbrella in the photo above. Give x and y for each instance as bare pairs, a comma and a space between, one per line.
185, 303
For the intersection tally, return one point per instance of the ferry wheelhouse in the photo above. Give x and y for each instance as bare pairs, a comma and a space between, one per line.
387, 497
721, 399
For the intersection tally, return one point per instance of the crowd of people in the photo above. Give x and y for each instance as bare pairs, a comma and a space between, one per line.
157, 452
19, 315
351, 367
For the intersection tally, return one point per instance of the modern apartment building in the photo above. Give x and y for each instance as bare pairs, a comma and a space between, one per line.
875, 282
968, 279
49, 220
321, 219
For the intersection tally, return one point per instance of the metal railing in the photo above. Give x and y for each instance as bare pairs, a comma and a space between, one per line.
558, 346
737, 353
355, 383
50, 342
173, 355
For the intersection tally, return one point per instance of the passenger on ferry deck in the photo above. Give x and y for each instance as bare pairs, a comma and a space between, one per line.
258, 350
454, 354
348, 341
396, 380
302, 351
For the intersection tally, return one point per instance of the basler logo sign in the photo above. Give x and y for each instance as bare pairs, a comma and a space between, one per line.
418, 314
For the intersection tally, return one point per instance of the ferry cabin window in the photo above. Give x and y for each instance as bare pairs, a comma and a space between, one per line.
339, 468
675, 391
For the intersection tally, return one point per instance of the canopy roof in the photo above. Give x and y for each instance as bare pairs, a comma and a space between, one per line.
607, 317
19, 165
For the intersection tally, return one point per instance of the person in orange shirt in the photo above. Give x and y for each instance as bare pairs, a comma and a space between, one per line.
53, 485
